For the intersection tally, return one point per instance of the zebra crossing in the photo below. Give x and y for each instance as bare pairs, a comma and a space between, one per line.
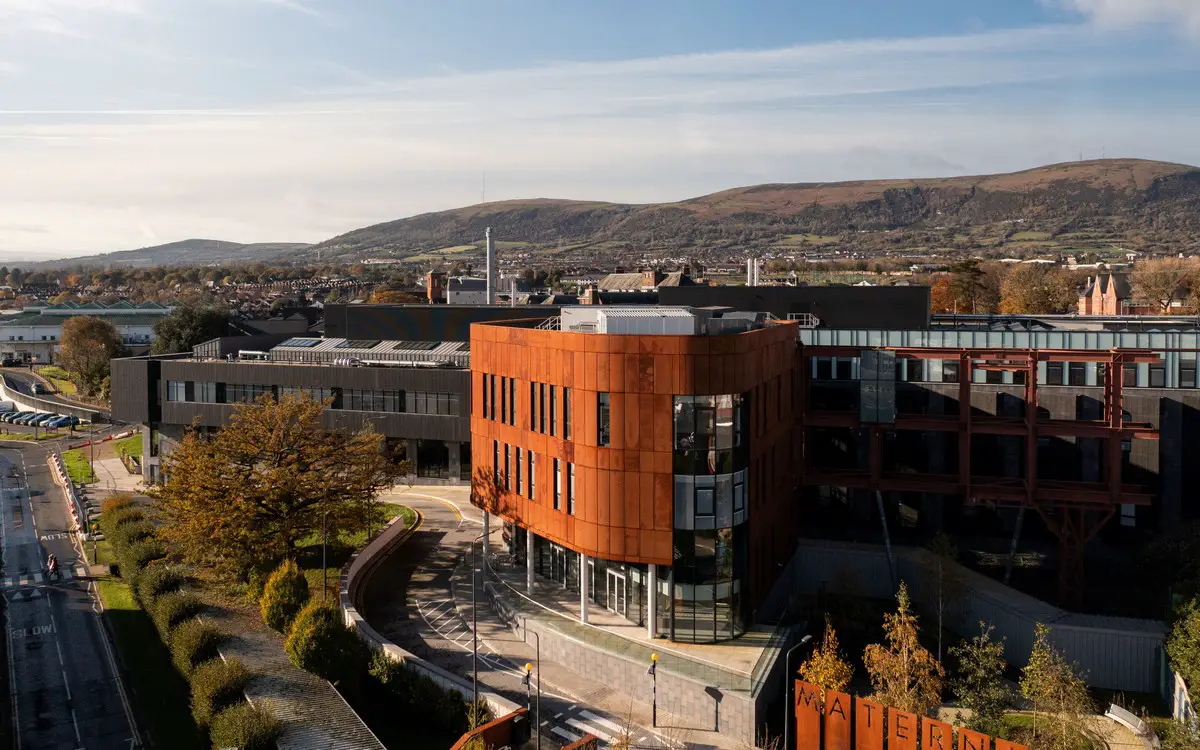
577, 722
39, 578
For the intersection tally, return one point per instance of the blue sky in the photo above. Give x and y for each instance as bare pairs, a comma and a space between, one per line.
125, 123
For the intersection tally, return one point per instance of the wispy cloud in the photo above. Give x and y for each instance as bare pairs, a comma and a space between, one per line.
633, 130
295, 6
1127, 13
60, 17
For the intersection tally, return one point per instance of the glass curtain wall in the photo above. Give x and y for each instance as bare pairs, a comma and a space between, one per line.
711, 455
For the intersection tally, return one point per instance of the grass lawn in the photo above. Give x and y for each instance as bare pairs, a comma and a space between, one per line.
130, 446
338, 551
159, 693
78, 467
28, 436
59, 378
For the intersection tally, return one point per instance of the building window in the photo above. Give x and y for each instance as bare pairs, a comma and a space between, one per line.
1187, 374
542, 408
603, 427
492, 387
520, 483
496, 463
553, 411
567, 413
512, 401
237, 393
949, 371
1054, 373
1129, 375
532, 475
507, 470
1158, 376
993, 377
176, 390
533, 410
824, 368
205, 392
557, 484
504, 399
486, 414
1076, 374
571, 489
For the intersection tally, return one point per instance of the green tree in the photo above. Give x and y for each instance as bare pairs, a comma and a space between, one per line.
979, 681
1183, 647
903, 673
186, 326
1058, 697
284, 596
88, 345
945, 555
244, 497
321, 643
972, 290
826, 668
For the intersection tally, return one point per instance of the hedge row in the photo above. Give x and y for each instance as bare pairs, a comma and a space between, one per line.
216, 684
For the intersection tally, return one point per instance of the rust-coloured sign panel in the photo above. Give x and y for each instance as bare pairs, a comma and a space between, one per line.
903, 730
837, 720
1006, 745
936, 735
808, 716
971, 740
868, 725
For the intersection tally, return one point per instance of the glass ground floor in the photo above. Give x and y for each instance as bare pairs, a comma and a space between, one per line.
683, 612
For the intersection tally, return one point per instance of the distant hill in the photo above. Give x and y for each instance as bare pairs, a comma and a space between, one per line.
184, 253
1133, 202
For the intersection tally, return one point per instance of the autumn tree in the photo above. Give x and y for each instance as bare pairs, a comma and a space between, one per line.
88, 345
1161, 282
903, 673
944, 554
826, 668
1183, 647
1057, 696
393, 297
979, 682
1037, 289
244, 497
973, 288
941, 297
186, 326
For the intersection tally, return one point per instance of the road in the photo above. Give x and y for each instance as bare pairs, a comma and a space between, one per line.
66, 693
408, 600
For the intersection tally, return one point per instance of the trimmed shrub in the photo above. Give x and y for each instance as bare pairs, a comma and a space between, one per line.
216, 685
155, 581
245, 727
172, 609
114, 519
320, 643
192, 642
116, 501
140, 554
284, 596
129, 533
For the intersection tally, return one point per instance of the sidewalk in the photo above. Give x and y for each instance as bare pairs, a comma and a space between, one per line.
111, 474
560, 679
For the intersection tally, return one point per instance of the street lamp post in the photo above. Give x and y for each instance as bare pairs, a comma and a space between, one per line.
538, 713
787, 691
324, 540
474, 631
653, 689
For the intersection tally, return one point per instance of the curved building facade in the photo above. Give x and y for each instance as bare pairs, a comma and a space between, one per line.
642, 458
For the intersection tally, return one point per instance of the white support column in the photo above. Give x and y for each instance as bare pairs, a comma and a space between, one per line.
487, 531
583, 588
651, 600
529, 560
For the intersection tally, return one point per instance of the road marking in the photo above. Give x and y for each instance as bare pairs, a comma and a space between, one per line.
55, 536
600, 720
568, 736
589, 729
36, 630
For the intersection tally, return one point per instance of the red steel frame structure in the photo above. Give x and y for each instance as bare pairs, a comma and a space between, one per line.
1073, 510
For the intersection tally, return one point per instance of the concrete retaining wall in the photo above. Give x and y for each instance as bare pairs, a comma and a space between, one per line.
358, 570
25, 402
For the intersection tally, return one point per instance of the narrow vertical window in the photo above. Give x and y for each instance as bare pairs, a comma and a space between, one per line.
512, 401
533, 410
532, 475
602, 418
486, 413
553, 411
542, 408
567, 413
496, 463
571, 489
507, 470
557, 484
504, 399
520, 483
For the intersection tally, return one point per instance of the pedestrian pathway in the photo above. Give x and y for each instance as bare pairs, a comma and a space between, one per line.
111, 474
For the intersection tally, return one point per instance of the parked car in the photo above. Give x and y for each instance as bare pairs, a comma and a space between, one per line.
59, 422
37, 389
42, 419
10, 416
11, 362
28, 417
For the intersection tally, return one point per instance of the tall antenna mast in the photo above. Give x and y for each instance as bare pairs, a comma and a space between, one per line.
483, 188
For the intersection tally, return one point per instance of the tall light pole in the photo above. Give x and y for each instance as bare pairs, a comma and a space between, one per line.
787, 691
474, 632
538, 714
653, 672
324, 540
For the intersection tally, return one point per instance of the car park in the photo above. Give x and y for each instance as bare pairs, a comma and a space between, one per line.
10, 416
59, 422
41, 420
29, 418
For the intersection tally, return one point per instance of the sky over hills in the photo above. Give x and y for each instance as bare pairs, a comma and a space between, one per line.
126, 123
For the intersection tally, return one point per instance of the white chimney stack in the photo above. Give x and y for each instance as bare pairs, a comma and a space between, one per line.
752, 272
491, 267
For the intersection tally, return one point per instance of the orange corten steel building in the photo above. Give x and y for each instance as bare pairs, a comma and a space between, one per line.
543, 392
